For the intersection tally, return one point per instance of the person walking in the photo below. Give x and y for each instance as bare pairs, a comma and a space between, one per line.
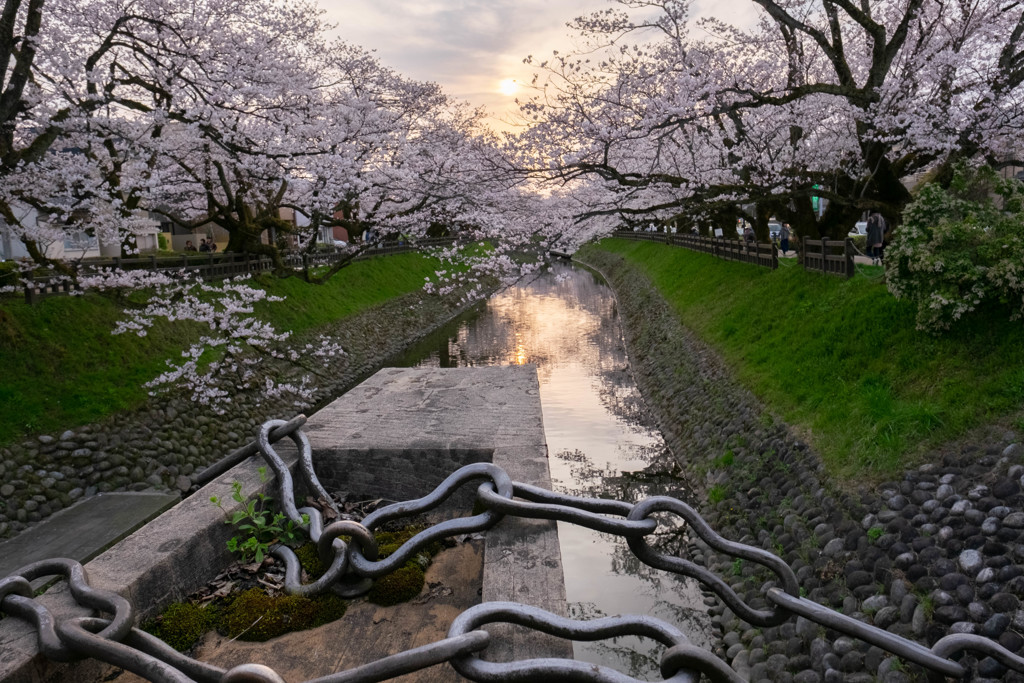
784, 238
876, 235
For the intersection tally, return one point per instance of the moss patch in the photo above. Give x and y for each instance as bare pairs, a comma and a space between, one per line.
405, 583
255, 616
182, 624
309, 559
401, 585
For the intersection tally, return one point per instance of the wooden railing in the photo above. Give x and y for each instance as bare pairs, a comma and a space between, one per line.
831, 257
759, 253
218, 266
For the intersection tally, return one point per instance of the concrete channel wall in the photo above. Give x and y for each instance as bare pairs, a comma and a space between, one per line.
409, 428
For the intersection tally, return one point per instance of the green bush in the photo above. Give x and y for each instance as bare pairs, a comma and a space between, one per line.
182, 624
959, 251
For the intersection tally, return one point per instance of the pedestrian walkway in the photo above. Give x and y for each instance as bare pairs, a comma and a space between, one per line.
858, 259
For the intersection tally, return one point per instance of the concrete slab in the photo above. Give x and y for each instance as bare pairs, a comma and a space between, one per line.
165, 560
495, 409
85, 529
435, 408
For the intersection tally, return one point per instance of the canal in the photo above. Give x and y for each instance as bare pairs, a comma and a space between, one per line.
601, 443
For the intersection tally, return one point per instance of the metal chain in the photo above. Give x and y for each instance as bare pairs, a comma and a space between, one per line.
353, 565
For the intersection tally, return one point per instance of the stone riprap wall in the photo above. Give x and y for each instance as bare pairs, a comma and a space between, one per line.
169, 440
939, 551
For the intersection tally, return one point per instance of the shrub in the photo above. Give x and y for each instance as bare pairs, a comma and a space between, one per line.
958, 250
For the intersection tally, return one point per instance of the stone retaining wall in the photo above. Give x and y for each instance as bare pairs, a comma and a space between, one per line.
163, 444
939, 551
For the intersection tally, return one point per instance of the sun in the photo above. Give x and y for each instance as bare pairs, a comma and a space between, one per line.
509, 86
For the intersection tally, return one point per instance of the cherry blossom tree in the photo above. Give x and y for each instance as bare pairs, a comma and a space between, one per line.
829, 98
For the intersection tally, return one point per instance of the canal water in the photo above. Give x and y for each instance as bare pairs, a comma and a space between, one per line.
601, 442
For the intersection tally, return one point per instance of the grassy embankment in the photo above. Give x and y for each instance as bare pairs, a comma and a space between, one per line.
61, 367
840, 360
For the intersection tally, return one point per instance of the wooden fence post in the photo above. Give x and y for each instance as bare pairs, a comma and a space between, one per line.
848, 250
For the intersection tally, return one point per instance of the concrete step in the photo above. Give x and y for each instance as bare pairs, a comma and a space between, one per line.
85, 529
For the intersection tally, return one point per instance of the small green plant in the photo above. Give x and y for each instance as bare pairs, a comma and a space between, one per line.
724, 460
875, 533
259, 526
716, 494
897, 664
927, 604
737, 566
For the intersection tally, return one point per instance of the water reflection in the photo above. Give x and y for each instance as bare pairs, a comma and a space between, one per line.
602, 445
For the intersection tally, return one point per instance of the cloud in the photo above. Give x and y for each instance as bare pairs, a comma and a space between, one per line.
470, 46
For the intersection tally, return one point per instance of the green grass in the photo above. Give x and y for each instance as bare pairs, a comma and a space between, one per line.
60, 367
840, 359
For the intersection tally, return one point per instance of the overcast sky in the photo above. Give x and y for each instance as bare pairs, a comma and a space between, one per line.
471, 46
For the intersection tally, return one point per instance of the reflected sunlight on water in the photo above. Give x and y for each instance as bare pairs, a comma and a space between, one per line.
601, 442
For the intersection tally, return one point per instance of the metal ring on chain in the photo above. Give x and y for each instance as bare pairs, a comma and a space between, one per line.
552, 669
566, 512
692, 658
600, 505
78, 635
959, 642
678, 565
293, 572
412, 660
284, 477
362, 538
78, 583
452, 527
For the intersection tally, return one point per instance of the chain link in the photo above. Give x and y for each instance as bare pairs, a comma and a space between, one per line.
354, 564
